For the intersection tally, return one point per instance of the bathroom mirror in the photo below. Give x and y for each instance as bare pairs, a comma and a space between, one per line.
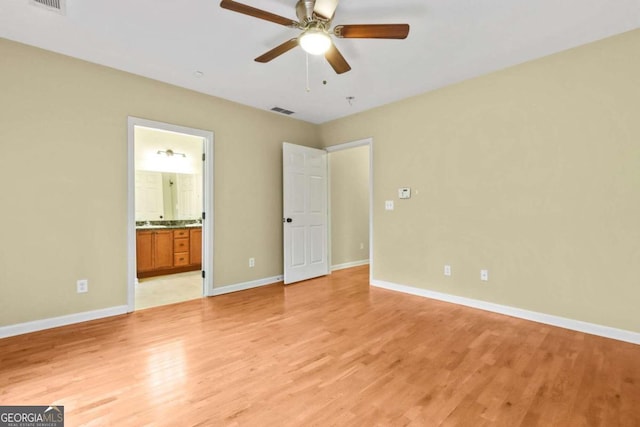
168, 196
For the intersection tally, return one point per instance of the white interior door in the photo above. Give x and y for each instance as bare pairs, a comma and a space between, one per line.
305, 212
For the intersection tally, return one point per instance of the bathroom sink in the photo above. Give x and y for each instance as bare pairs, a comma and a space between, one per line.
197, 224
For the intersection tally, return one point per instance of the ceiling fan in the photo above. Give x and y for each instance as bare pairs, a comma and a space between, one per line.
314, 20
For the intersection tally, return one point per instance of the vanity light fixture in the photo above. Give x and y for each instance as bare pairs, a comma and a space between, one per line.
170, 153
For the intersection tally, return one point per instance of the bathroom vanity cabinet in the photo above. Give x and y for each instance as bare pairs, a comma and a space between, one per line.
153, 250
168, 251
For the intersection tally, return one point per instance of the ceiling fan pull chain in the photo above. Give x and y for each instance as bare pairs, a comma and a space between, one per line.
307, 56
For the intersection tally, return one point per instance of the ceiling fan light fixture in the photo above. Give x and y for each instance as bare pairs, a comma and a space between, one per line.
315, 20
315, 41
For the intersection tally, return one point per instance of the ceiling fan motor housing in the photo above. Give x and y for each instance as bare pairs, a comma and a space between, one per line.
304, 10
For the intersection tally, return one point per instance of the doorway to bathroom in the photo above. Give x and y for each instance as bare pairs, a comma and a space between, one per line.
170, 213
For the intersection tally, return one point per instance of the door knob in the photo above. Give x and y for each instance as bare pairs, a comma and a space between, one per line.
287, 220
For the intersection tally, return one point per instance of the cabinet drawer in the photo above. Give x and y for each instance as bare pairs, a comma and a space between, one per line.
180, 245
181, 259
180, 233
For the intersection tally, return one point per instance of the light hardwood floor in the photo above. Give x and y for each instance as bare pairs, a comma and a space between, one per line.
330, 351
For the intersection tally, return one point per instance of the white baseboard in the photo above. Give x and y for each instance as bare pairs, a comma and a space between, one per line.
246, 285
349, 264
548, 319
54, 322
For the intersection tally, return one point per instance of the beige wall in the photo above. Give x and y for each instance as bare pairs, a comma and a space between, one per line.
63, 167
349, 176
532, 172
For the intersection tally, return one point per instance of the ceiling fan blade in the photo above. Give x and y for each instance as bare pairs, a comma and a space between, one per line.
257, 13
336, 60
325, 8
277, 51
372, 31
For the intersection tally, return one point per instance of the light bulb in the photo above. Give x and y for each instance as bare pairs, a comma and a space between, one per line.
315, 42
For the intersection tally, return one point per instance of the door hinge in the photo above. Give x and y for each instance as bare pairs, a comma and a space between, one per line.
203, 275
203, 215
203, 157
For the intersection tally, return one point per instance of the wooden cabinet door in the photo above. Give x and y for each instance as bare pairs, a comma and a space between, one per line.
144, 251
195, 242
163, 249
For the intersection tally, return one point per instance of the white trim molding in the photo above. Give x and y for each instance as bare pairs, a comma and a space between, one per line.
349, 264
548, 319
54, 322
246, 285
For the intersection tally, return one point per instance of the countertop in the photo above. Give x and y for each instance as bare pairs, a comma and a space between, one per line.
166, 227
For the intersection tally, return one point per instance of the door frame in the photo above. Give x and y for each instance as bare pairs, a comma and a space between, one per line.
345, 146
207, 190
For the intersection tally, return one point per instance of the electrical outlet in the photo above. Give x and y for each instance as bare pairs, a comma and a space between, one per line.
388, 205
484, 275
82, 286
252, 262
447, 270
361, 245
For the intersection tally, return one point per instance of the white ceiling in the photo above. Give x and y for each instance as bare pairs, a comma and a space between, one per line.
449, 41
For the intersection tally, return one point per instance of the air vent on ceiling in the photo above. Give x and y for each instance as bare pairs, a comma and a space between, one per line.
58, 6
282, 110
